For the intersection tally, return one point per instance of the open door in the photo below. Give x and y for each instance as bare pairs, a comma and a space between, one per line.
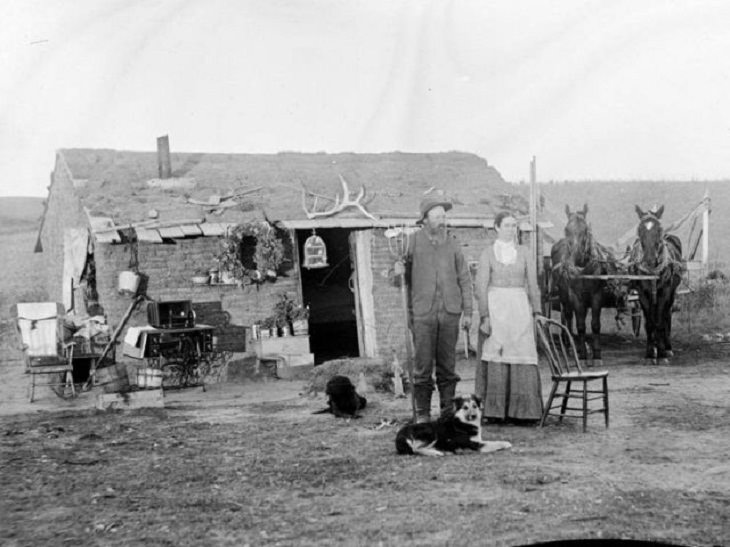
327, 290
361, 285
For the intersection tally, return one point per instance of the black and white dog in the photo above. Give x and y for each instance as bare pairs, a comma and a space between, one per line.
462, 431
342, 399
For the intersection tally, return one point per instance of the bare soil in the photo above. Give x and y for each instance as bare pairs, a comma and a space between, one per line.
250, 464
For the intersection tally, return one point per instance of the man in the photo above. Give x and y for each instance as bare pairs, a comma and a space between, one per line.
440, 292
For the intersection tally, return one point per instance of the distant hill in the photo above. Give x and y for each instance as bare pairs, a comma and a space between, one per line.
20, 214
611, 207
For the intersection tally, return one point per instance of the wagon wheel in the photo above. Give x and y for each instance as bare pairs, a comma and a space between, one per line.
548, 304
61, 389
173, 374
212, 365
178, 368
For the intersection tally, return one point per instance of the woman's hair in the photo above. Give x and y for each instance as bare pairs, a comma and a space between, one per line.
500, 217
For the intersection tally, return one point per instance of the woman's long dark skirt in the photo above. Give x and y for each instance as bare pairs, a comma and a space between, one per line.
509, 391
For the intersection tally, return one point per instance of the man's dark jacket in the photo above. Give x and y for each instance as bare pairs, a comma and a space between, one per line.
439, 266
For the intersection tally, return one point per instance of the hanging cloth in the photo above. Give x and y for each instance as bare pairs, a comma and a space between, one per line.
75, 245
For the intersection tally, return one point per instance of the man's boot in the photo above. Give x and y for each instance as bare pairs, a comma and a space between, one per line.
422, 400
446, 400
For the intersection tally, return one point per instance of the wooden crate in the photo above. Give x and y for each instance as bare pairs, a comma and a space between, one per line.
285, 345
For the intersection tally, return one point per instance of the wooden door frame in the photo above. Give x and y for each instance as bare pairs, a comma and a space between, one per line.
361, 246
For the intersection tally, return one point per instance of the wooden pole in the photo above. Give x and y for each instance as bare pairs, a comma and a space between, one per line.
533, 212
113, 340
409, 342
706, 231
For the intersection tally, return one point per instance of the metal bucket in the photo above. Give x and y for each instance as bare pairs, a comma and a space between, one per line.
149, 378
128, 282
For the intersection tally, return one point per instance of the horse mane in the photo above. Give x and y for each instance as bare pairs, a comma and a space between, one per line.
669, 262
598, 259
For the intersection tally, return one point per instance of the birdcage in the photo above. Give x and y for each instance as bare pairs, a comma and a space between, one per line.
315, 252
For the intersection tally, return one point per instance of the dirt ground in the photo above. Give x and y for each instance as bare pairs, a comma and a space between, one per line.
249, 464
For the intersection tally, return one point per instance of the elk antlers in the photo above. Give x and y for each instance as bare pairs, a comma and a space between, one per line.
340, 204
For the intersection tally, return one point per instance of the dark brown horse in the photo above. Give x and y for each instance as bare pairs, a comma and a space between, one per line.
574, 256
658, 254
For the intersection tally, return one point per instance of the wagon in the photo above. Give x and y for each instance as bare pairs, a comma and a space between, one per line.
627, 303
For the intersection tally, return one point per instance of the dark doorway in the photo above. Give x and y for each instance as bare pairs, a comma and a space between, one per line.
332, 318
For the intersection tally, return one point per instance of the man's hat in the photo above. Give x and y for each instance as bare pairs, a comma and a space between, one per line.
429, 202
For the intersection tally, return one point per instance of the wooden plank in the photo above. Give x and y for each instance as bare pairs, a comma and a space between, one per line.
153, 223
191, 230
171, 232
213, 229
146, 234
134, 399
107, 237
363, 245
618, 276
101, 223
385, 221
281, 345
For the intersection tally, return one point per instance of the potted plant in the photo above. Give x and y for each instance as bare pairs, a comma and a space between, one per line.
299, 317
282, 312
229, 261
214, 274
282, 324
201, 277
268, 327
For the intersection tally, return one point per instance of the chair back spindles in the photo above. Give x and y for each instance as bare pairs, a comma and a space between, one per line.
559, 349
558, 345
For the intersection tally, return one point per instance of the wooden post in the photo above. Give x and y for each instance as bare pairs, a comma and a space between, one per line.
533, 213
706, 231
409, 343
164, 165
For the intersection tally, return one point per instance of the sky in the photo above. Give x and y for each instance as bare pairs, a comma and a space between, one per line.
619, 90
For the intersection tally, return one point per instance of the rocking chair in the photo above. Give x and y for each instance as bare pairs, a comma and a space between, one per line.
40, 327
559, 349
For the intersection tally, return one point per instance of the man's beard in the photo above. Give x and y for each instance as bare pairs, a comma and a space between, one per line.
437, 229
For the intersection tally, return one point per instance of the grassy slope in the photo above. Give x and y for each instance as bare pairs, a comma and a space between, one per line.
22, 272
20, 214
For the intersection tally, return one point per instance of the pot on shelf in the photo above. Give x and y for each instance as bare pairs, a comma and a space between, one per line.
227, 277
300, 327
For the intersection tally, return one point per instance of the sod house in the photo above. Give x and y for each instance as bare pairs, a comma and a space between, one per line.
179, 220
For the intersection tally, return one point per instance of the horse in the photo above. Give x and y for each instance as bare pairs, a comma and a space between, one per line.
573, 256
658, 254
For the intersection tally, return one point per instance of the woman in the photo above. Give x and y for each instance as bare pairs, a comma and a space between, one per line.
507, 378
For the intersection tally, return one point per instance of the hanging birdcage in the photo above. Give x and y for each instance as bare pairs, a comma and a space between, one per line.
315, 252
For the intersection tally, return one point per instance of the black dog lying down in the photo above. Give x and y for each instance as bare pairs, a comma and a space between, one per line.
462, 431
342, 399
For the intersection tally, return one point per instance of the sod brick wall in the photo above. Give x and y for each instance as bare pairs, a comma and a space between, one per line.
64, 211
169, 269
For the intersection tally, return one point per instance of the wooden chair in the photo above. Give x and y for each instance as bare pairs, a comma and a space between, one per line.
40, 327
559, 349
